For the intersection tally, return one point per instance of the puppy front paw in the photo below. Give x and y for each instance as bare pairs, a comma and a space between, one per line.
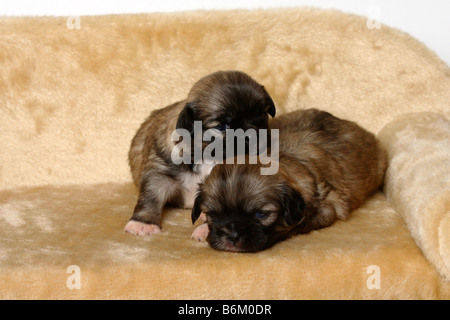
201, 232
141, 228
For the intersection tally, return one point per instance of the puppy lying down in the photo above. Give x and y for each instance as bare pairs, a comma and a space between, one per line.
327, 168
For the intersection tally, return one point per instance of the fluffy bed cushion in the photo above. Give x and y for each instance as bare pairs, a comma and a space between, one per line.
72, 99
47, 229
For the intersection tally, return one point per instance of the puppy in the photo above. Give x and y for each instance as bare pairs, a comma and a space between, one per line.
327, 168
222, 100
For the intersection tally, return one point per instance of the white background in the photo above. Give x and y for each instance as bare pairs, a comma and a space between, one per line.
426, 20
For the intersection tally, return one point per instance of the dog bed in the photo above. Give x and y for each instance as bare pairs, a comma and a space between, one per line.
74, 90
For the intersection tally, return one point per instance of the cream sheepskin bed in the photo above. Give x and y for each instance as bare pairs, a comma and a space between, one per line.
71, 100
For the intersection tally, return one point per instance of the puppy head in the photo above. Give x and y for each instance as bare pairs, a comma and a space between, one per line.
246, 211
227, 100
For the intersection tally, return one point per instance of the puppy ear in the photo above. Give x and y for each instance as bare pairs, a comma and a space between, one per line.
272, 109
196, 210
186, 118
294, 207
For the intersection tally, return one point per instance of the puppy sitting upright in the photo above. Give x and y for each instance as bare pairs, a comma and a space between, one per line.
222, 100
327, 168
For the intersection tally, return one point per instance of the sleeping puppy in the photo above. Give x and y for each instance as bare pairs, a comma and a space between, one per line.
327, 168
222, 100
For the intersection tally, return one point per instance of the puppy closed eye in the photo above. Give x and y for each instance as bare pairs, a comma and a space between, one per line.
261, 214
266, 218
222, 126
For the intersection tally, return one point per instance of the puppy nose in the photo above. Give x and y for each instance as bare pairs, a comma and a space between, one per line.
233, 237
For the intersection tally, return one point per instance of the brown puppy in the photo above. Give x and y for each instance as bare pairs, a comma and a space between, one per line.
327, 168
222, 100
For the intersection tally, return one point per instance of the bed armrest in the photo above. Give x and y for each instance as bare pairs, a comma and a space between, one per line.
417, 181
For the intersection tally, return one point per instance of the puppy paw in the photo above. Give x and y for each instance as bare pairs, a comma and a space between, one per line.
202, 216
201, 232
141, 229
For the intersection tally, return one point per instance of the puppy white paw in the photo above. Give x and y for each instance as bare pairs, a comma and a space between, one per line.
201, 232
141, 229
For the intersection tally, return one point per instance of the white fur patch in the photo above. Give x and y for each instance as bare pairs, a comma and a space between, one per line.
191, 182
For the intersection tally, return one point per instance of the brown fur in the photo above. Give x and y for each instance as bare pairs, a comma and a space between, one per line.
327, 168
225, 97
